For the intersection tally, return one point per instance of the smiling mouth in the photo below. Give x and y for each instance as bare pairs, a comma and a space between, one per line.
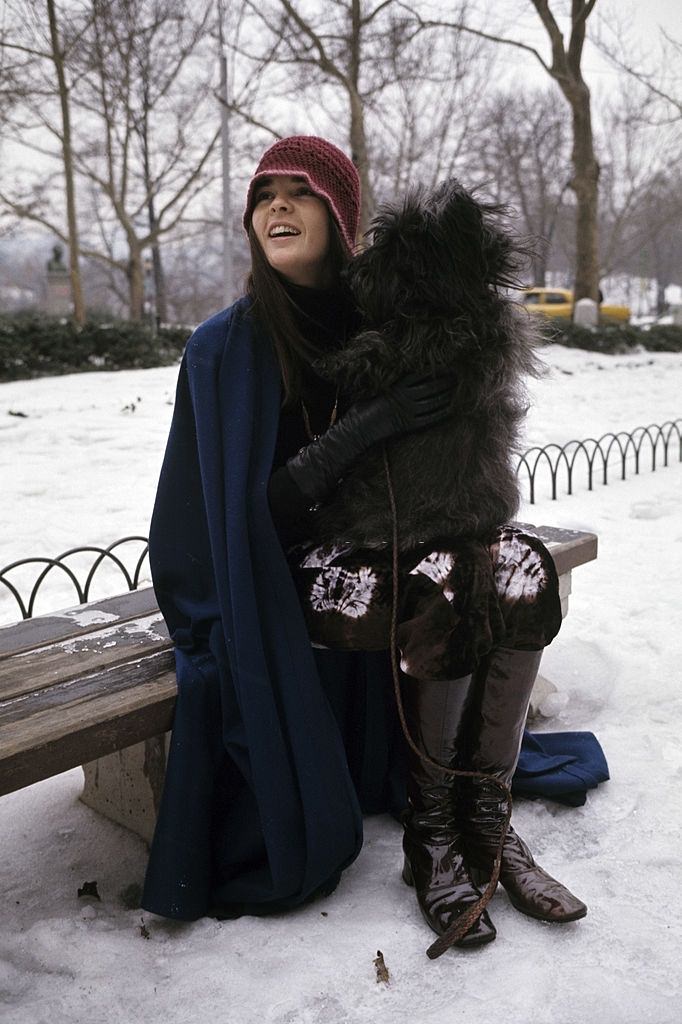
283, 232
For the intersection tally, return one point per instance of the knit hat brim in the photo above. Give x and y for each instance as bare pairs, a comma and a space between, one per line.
326, 170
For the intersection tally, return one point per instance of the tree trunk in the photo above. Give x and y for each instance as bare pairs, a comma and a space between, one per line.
539, 270
360, 158
160, 310
585, 183
566, 71
160, 303
358, 140
67, 157
135, 274
160, 299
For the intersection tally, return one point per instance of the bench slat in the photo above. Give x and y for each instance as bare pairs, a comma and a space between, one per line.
81, 656
54, 740
574, 553
45, 629
79, 690
568, 548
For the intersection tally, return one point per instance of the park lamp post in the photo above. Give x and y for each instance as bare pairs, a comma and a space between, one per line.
228, 228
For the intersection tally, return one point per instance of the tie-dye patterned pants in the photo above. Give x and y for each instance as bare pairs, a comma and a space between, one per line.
458, 599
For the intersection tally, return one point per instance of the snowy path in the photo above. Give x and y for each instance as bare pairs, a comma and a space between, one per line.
617, 661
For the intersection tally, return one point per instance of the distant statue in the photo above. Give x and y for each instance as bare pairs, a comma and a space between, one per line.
58, 300
56, 265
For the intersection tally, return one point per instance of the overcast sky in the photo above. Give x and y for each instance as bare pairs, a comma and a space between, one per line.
636, 24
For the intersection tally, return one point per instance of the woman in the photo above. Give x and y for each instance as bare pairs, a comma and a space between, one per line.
277, 746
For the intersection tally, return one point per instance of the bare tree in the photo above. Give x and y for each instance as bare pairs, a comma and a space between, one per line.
651, 239
522, 152
327, 46
368, 68
661, 77
144, 135
42, 56
635, 152
660, 254
565, 68
58, 59
154, 157
426, 121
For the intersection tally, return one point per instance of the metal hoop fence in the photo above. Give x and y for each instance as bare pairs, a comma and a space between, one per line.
103, 557
596, 456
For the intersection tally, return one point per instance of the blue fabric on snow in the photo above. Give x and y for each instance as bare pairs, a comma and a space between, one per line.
561, 766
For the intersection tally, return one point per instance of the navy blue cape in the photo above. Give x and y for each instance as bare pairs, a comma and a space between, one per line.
259, 809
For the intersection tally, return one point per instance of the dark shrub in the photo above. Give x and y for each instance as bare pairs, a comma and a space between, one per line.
663, 338
615, 338
33, 345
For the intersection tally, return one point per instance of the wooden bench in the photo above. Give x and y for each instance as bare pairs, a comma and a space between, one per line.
95, 686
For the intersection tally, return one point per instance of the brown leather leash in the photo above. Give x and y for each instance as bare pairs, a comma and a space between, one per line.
464, 921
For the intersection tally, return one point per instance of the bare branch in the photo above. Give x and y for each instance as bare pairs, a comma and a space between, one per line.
234, 108
460, 26
373, 14
325, 62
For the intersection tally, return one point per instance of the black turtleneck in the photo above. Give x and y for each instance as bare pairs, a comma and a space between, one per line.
325, 318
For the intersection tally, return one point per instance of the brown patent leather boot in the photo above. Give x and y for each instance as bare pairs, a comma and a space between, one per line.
434, 861
496, 719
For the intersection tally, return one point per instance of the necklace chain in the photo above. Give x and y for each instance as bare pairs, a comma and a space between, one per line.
306, 418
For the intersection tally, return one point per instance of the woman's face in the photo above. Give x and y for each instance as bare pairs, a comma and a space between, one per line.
292, 225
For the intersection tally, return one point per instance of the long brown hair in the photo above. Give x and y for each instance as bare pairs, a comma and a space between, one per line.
276, 309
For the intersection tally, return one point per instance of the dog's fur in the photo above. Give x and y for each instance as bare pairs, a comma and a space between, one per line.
430, 292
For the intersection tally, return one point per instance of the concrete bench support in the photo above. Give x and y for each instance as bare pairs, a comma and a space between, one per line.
126, 786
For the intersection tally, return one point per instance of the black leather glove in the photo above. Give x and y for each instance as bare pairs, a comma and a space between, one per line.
415, 402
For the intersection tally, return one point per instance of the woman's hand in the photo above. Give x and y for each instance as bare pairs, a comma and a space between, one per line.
414, 402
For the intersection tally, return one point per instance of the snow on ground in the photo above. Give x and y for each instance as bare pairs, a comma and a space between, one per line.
80, 467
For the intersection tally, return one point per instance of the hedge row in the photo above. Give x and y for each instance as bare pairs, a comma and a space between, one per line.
32, 345
37, 346
616, 338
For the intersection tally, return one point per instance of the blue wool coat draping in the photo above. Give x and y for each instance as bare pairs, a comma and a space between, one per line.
276, 749
259, 809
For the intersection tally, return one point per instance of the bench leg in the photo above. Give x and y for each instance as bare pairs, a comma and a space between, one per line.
564, 592
126, 786
542, 689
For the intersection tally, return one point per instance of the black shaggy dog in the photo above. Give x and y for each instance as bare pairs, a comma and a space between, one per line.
431, 292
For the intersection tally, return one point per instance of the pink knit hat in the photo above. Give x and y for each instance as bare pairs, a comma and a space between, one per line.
328, 172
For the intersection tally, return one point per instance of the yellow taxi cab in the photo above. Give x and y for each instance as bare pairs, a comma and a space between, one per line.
559, 302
